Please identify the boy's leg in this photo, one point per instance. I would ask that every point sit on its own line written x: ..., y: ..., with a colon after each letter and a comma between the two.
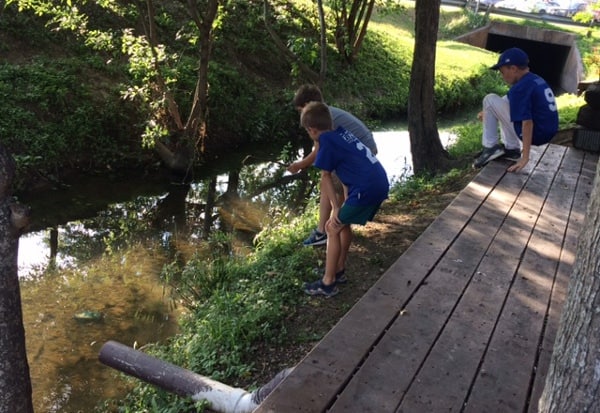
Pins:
x: 335, y: 245
x: 324, y: 212
x: 327, y: 284
x: 342, y: 238
x: 345, y: 241
x: 339, y: 238
x: 496, y: 112
x: 325, y: 207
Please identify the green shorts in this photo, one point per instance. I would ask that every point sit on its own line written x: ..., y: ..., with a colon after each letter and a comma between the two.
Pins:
x: 357, y: 214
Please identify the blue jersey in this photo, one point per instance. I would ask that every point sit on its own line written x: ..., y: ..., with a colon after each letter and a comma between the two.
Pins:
x: 355, y: 166
x: 532, y: 99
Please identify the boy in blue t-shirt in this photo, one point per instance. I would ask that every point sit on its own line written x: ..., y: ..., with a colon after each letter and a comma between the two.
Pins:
x: 527, y: 115
x: 359, y: 170
x: 312, y: 93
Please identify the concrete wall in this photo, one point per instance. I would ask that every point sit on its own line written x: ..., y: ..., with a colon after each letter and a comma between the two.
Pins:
x: 553, y: 54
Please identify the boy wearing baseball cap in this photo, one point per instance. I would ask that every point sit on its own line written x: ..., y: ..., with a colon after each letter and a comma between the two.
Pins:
x: 527, y: 115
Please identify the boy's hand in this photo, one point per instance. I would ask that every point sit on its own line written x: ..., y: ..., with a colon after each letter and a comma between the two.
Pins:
x: 334, y: 221
x: 294, y: 167
x: 518, y: 165
x: 480, y: 116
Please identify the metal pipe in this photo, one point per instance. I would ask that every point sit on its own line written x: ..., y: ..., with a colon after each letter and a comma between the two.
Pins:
x: 222, y: 398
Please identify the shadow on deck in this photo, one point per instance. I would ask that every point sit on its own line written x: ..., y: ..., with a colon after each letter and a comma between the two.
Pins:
x: 465, y: 319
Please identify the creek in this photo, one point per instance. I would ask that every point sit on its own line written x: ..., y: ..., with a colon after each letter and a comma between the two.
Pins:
x: 90, y: 269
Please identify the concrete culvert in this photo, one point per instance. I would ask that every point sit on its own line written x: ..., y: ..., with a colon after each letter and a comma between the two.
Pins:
x: 553, y: 54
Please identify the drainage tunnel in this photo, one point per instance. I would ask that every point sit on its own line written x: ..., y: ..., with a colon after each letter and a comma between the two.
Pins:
x: 552, y: 54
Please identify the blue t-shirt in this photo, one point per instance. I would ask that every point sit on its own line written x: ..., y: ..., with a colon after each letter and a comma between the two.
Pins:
x: 532, y: 99
x: 355, y: 165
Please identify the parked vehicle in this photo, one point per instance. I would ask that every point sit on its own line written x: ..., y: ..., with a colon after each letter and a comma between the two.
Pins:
x: 526, y: 6
x: 507, y: 4
x: 488, y: 3
x: 568, y: 9
x: 544, y: 7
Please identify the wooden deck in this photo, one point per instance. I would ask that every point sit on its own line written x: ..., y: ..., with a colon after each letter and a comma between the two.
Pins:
x: 465, y: 319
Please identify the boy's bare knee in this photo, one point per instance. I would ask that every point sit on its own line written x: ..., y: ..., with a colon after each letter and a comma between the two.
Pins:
x: 332, y: 227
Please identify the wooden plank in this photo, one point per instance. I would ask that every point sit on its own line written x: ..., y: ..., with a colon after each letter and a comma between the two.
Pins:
x: 575, y: 160
x: 379, y: 385
x: 436, y: 301
x: 444, y: 381
x: 504, y: 380
x: 322, y: 373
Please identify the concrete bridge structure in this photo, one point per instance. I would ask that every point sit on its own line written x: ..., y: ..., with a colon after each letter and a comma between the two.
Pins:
x: 553, y: 54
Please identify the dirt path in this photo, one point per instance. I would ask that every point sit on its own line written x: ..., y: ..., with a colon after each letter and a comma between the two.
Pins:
x: 375, y: 248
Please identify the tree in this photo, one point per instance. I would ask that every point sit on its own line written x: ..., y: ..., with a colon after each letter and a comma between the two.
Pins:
x: 573, y: 380
x: 191, y: 136
x: 149, y: 61
x: 15, y: 383
x: 289, y: 54
x: 351, y: 21
x: 426, y: 148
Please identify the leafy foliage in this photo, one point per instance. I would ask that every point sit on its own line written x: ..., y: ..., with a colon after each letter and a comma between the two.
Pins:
x: 54, y: 121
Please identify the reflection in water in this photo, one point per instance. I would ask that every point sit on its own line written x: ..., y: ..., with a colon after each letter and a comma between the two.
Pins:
x: 394, y: 152
x: 62, y: 343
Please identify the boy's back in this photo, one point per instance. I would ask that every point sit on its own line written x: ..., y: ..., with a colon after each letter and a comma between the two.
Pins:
x: 355, y: 166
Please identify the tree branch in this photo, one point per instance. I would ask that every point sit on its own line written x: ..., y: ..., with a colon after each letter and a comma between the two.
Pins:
x: 284, y: 49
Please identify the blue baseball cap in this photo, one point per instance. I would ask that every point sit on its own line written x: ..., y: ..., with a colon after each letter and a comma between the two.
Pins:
x: 514, y: 56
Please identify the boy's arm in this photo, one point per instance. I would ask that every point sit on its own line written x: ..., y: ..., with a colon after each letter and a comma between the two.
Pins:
x: 527, y: 133
x: 305, y: 162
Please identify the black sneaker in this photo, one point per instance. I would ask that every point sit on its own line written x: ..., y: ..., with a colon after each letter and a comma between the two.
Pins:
x: 340, y: 277
x: 315, y: 238
x: 318, y: 288
x: 512, y: 154
x: 488, y: 154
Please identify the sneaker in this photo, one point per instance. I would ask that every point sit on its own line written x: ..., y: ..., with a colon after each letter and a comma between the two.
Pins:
x: 318, y: 288
x: 487, y: 155
x: 340, y: 277
x: 512, y: 154
x: 316, y: 238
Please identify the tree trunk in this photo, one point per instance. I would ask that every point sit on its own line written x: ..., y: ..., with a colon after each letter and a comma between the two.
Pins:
x: 196, y: 124
x: 573, y: 381
x: 322, y: 42
x: 352, y: 19
x: 15, y: 384
x: 191, y: 136
x: 427, y: 151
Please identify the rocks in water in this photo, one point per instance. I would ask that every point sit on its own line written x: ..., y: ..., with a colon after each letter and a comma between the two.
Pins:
x: 89, y: 316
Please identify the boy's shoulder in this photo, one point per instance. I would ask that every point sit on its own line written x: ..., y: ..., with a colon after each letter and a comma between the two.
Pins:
x: 335, y: 133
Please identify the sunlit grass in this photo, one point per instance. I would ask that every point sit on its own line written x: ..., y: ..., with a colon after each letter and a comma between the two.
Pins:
x: 568, y: 106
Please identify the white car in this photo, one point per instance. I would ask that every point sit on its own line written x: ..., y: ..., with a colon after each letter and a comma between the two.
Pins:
x: 508, y: 4
x: 568, y: 8
x: 544, y: 7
